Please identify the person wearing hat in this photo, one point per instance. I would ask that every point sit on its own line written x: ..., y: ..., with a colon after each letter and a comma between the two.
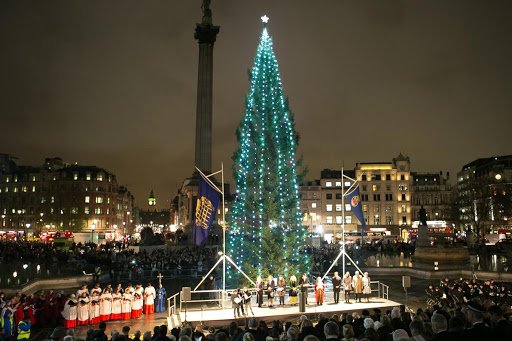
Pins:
x: 69, y: 313
x: 475, y: 316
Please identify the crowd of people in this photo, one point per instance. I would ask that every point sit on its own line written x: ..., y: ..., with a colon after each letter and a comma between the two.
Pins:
x: 470, y: 322
x: 89, y: 307
x: 454, y: 293
x: 273, y: 288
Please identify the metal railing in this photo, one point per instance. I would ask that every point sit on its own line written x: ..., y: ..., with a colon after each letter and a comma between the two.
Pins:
x: 382, y: 289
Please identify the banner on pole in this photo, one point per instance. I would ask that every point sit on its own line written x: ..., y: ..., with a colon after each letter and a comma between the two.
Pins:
x: 206, y: 208
x: 355, y: 201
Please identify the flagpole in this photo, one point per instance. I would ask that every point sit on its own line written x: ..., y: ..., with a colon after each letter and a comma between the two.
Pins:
x: 343, y: 216
x: 223, y: 237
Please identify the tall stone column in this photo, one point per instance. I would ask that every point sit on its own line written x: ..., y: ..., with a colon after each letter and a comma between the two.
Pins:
x: 206, y: 34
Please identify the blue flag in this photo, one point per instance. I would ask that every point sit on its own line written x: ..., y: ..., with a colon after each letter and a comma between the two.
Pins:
x: 207, y: 203
x: 355, y: 201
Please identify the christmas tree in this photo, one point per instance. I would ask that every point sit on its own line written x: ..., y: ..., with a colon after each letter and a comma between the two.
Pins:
x: 266, y: 234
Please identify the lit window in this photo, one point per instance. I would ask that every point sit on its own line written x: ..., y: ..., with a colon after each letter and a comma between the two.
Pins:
x: 15, y: 179
x: 108, y: 200
x: 74, y: 210
x: 43, y: 200
x: 52, y: 200
x: 54, y: 178
x: 15, y: 189
x: 6, y: 190
x: 7, y: 179
x: 339, y: 219
x: 328, y: 184
x: 86, y: 209
x: 24, y: 189
x: 375, y: 188
x: 328, y: 208
x: 348, y: 219
x: 347, y: 183
x: 108, y: 210
x: 88, y: 176
x: 99, y: 200
x: 338, y: 207
x: 365, y: 208
x: 87, y: 199
x: 99, y: 177
x: 75, y: 176
x: 329, y: 219
x: 338, y: 184
x: 348, y: 207
x: 313, y: 205
x: 51, y: 210
x: 33, y: 178
x: 33, y: 189
x: 97, y: 210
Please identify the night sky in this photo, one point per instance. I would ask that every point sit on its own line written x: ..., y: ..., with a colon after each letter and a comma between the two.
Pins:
x: 113, y: 83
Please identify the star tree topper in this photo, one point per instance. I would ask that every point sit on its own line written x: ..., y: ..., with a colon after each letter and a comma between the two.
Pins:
x: 264, y: 19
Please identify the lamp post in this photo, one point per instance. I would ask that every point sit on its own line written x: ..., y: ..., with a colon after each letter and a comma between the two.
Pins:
x: 93, y: 226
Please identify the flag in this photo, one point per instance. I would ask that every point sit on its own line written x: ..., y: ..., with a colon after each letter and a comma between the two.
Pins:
x: 206, y: 207
x: 357, y: 208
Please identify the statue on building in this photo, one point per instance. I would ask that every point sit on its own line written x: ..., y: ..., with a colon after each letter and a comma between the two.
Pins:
x: 423, y: 216
x: 207, y: 12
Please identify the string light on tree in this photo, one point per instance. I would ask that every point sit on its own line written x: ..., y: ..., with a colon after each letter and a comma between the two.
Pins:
x: 266, y: 231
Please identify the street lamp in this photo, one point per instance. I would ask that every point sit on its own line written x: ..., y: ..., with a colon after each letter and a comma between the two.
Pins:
x: 93, y: 226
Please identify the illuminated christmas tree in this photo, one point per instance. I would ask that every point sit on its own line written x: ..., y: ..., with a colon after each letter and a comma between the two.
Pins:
x: 266, y: 234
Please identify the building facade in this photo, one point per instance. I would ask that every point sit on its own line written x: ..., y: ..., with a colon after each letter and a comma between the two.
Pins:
x: 63, y: 197
x: 435, y: 194
x: 484, y: 194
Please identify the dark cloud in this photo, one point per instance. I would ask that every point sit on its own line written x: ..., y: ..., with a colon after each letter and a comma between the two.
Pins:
x: 113, y: 83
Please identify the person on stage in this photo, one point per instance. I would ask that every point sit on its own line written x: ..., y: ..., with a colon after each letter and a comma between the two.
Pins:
x: 82, y: 289
x: 367, y: 290
x: 137, y: 301
x: 319, y: 291
x: 161, y: 295
x: 70, y: 312
x: 105, y: 305
x: 83, y: 310
x: 270, y: 291
x: 149, y: 299
x: 126, y: 304
x: 94, y: 308
x: 347, y: 286
x: 117, y: 305
x: 236, y: 302
x: 96, y: 288
x: 336, y: 287
x: 304, y: 285
x: 281, y: 289
x: 259, y: 291
x: 357, y: 283
x: 293, y: 290
x: 246, y: 296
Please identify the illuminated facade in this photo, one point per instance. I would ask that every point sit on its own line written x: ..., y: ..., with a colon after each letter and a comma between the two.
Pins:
x: 386, y: 191
x: 62, y: 197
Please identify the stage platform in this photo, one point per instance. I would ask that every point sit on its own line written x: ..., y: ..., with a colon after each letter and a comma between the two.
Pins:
x: 222, y: 317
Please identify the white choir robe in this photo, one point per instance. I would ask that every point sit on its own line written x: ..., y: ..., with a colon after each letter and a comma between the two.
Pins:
x: 126, y: 306
x: 105, y: 306
x: 70, y: 314
x: 94, y: 310
x: 116, y: 307
x: 149, y: 303
x: 83, y: 311
x: 137, y: 303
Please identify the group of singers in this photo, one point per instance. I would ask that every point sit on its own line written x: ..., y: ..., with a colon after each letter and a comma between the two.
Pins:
x: 358, y: 284
x: 95, y: 305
